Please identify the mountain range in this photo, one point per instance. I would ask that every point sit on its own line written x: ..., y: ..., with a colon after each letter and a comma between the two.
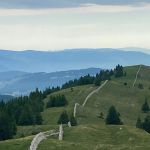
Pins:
x: 21, y: 83
x: 48, y: 61
x: 23, y: 71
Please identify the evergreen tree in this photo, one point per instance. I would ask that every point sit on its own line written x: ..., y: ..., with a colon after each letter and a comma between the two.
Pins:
x: 73, y: 120
x: 63, y: 119
x: 140, y: 86
x: 113, y: 117
x: 27, y: 116
x: 146, y: 124
x: 139, y: 123
x: 145, y: 107
x: 97, y: 81
x: 119, y: 71
x: 7, y: 126
x: 38, y: 119
x: 57, y: 101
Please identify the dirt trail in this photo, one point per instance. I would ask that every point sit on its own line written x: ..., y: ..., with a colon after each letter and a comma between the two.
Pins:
x: 136, y: 76
x: 89, y: 95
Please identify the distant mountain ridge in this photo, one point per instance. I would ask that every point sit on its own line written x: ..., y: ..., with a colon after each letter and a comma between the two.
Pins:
x: 47, y: 61
x: 20, y: 83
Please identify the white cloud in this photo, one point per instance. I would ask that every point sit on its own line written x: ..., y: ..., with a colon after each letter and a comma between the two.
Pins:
x: 90, y: 26
x: 88, y: 8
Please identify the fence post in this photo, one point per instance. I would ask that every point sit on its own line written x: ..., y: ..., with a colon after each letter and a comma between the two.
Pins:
x: 61, y: 132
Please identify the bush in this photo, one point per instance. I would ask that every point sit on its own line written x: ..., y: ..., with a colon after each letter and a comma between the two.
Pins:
x: 140, y: 86
x: 73, y: 120
x: 125, y: 84
x: 139, y: 123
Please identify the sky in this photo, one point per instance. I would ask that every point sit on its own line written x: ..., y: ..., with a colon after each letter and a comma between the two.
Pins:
x: 66, y: 24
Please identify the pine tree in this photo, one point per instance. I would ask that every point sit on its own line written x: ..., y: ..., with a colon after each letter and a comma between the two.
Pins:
x: 63, y: 119
x: 113, y: 117
x: 139, y: 123
x: 119, y: 71
x: 145, y: 107
x: 73, y: 120
x: 97, y: 81
x: 7, y: 126
x: 27, y: 116
x: 146, y: 124
x: 38, y: 119
x: 140, y: 86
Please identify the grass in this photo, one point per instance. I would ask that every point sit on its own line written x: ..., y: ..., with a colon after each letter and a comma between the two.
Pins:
x: 99, y: 137
x: 79, y: 93
x: 126, y: 99
x: 92, y: 133
x: 16, y: 144
x: 23, y: 131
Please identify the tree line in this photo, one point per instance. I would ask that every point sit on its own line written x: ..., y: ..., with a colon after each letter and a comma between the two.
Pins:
x: 101, y: 76
x: 23, y: 110
x: 57, y: 101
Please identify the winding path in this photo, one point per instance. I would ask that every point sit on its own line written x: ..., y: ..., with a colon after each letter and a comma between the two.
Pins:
x: 136, y: 75
x: 40, y: 137
x: 86, y: 99
x: 43, y: 135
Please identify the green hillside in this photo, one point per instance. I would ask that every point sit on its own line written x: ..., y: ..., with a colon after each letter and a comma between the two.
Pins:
x: 99, y: 137
x: 92, y: 133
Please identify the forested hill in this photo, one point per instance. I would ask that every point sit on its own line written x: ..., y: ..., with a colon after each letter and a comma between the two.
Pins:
x: 22, y: 83
x: 125, y: 96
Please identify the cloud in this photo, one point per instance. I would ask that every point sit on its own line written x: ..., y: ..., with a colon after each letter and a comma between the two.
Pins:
x: 89, y: 8
x: 37, y: 4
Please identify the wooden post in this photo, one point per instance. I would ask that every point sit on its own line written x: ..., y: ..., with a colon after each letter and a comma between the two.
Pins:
x: 61, y: 132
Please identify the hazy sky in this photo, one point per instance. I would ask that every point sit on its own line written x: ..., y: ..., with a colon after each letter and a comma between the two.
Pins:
x: 64, y: 24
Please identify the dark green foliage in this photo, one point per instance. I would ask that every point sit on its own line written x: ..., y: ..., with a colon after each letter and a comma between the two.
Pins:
x: 73, y: 120
x: 125, y: 83
x: 71, y: 89
x: 57, y: 101
x: 113, y: 117
x: 146, y: 124
x: 26, y: 116
x: 103, y: 75
x: 49, y: 90
x: 101, y: 115
x: 140, y: 86
x: 26, y: 109
x: 63, y: 119
x: 139, y: 123
x: 7, y: 126
x: 119, y: 71
x: 97, y: 81
x: 81, y: 81
x: 145, y: 107
x: 38, y: 119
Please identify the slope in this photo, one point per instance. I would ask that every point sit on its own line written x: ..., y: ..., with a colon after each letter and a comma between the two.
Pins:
x: 92, y: 133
